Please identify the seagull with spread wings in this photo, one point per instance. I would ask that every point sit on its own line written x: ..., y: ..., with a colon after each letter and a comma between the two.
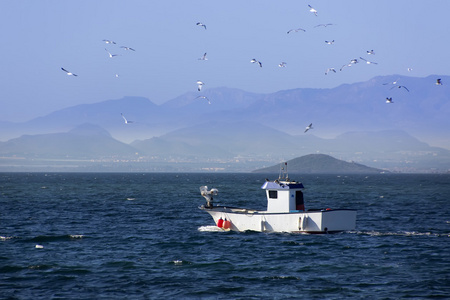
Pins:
x: 438, y: 81
x: 204, y: 97
x: 256, y: 61
x: 368, y: 62
x: 127, y: 48
x: 330, y: 70
x: 308, y: 127
x: 201, y: 24
x: 199, y: 85
x: 69, y: 73
x: 389, y: 100
x: 296, y: 30
x: 399, y: 87
x: 111, y: 55
x: 203, y: 57
x: 125, y: 119
x: 313, y: 10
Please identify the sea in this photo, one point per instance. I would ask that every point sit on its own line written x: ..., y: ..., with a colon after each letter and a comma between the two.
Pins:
x: 143, y: 236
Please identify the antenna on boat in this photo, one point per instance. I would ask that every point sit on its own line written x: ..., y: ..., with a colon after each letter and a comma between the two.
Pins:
x: 283, y: 172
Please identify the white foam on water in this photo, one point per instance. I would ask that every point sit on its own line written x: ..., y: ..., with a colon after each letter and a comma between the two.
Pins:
x: 210, y: 228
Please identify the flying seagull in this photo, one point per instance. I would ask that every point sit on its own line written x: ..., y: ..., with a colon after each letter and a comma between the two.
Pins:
x: 109, y: 42
x: 330, y: 42
x: 199, y: 85
x: 282, y: 64
x: 111, y: 55
x: 296, y: 30
x: 389, y: 100
x: 369, y: 62
x: 409, y: 69
x: 351, y: 63
x: 330, y: 70
x: 69, y: 73
x: 323, y: 25
x: 125, y: 120
x: 308, y: 127
x: 203, y: 57
x: 204, y: 97
x: 201, y: 24
x: 400, y: 86
x: 311, y: 9
x: 393, y: 82
x: 438, y: 81
x: 255, y: 61
x: 370, y: 52
x: 127, y: 48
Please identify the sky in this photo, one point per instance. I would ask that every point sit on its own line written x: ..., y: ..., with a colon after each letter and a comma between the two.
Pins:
x: 41, y: 37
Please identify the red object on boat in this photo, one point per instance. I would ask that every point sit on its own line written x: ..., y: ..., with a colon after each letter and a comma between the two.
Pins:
x: 226, y: 224
x: 220, y: 223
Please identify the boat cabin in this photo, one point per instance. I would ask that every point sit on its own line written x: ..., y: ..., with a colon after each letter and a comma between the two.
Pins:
x: 284, y: 196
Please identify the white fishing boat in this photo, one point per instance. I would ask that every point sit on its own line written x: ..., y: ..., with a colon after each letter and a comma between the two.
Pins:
x: 285, y: 212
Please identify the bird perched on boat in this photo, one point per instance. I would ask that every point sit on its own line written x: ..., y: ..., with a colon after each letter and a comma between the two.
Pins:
x: 330, y: 42
x: 308, y: 127
x: 109, y: 42
x: 389, y: 100
x: 111, y: 55
x: 370, y: 52
x: 201, y: 24
x: 282, y: 64
x: 199, y: 85
x: 125, y: 119
x: 204, y: 97
x: 255, y: 61
x: 438, y: 81
x: 330, y: 70
x: 69, y: 73
x: 296, y: 30
x: 313, y: 10
x: 400, y: 86
x: 203, y: 57
x: 369, y: 62
x: 127, y: 48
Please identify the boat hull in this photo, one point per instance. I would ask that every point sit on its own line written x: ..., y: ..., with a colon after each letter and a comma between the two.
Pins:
x: 316, y: 221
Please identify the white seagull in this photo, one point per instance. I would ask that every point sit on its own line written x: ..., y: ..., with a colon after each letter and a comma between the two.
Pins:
x: 393, y: 82
x: 370, y: 52
x: 69, y: 73
x: 255, y: 61
x: 203, y: 57
x: 323, y: 25
x: 308, y: 127
x: 199, y: 85
x: 438, y: 81
x: 109, y: 42
x: 330, y: 42
x: 127, y: 48
x: 330, y: 70
x: 389, y: 100
x: 201, y: 24
x: 351, y: 63
x: 369, y: 62
x: 296, y: 30
x: 125, y: 119
x: 204, y: 97
x: 111, y: 55
x: 311, y: 9
x: 282, y: 64
x: 409, y: 69
x: 400, y: 86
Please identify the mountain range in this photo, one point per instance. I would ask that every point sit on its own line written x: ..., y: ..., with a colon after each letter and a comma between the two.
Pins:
x: 246, y: 131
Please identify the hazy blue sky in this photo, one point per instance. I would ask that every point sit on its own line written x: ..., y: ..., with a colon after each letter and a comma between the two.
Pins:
x: 40, y: 37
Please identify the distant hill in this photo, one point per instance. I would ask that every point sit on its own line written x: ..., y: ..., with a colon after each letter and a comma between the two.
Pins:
x: 321, y: 164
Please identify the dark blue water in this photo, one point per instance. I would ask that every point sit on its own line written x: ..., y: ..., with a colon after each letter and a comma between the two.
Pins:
x: 142, y: 236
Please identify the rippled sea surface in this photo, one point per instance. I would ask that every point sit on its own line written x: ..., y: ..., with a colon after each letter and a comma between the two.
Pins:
x: 142, y: 236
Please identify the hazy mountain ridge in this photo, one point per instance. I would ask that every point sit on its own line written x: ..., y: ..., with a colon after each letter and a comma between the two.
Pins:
x: 422, y: 112
x: 243, y: 146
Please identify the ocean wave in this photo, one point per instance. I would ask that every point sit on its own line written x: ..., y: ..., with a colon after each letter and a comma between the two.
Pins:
x: 400, y: 233
x: 210, y: 228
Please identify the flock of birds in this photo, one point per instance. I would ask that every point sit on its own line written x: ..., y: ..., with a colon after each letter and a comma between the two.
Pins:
x: 283, y: 64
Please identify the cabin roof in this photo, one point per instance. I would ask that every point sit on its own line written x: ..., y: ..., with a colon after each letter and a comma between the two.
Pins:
x: 281, y: 185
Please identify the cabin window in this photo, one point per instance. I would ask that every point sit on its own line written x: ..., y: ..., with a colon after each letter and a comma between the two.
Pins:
x: 273, y: 194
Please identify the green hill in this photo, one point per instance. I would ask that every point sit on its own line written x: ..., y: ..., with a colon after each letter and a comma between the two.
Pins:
x: 321, y: 164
